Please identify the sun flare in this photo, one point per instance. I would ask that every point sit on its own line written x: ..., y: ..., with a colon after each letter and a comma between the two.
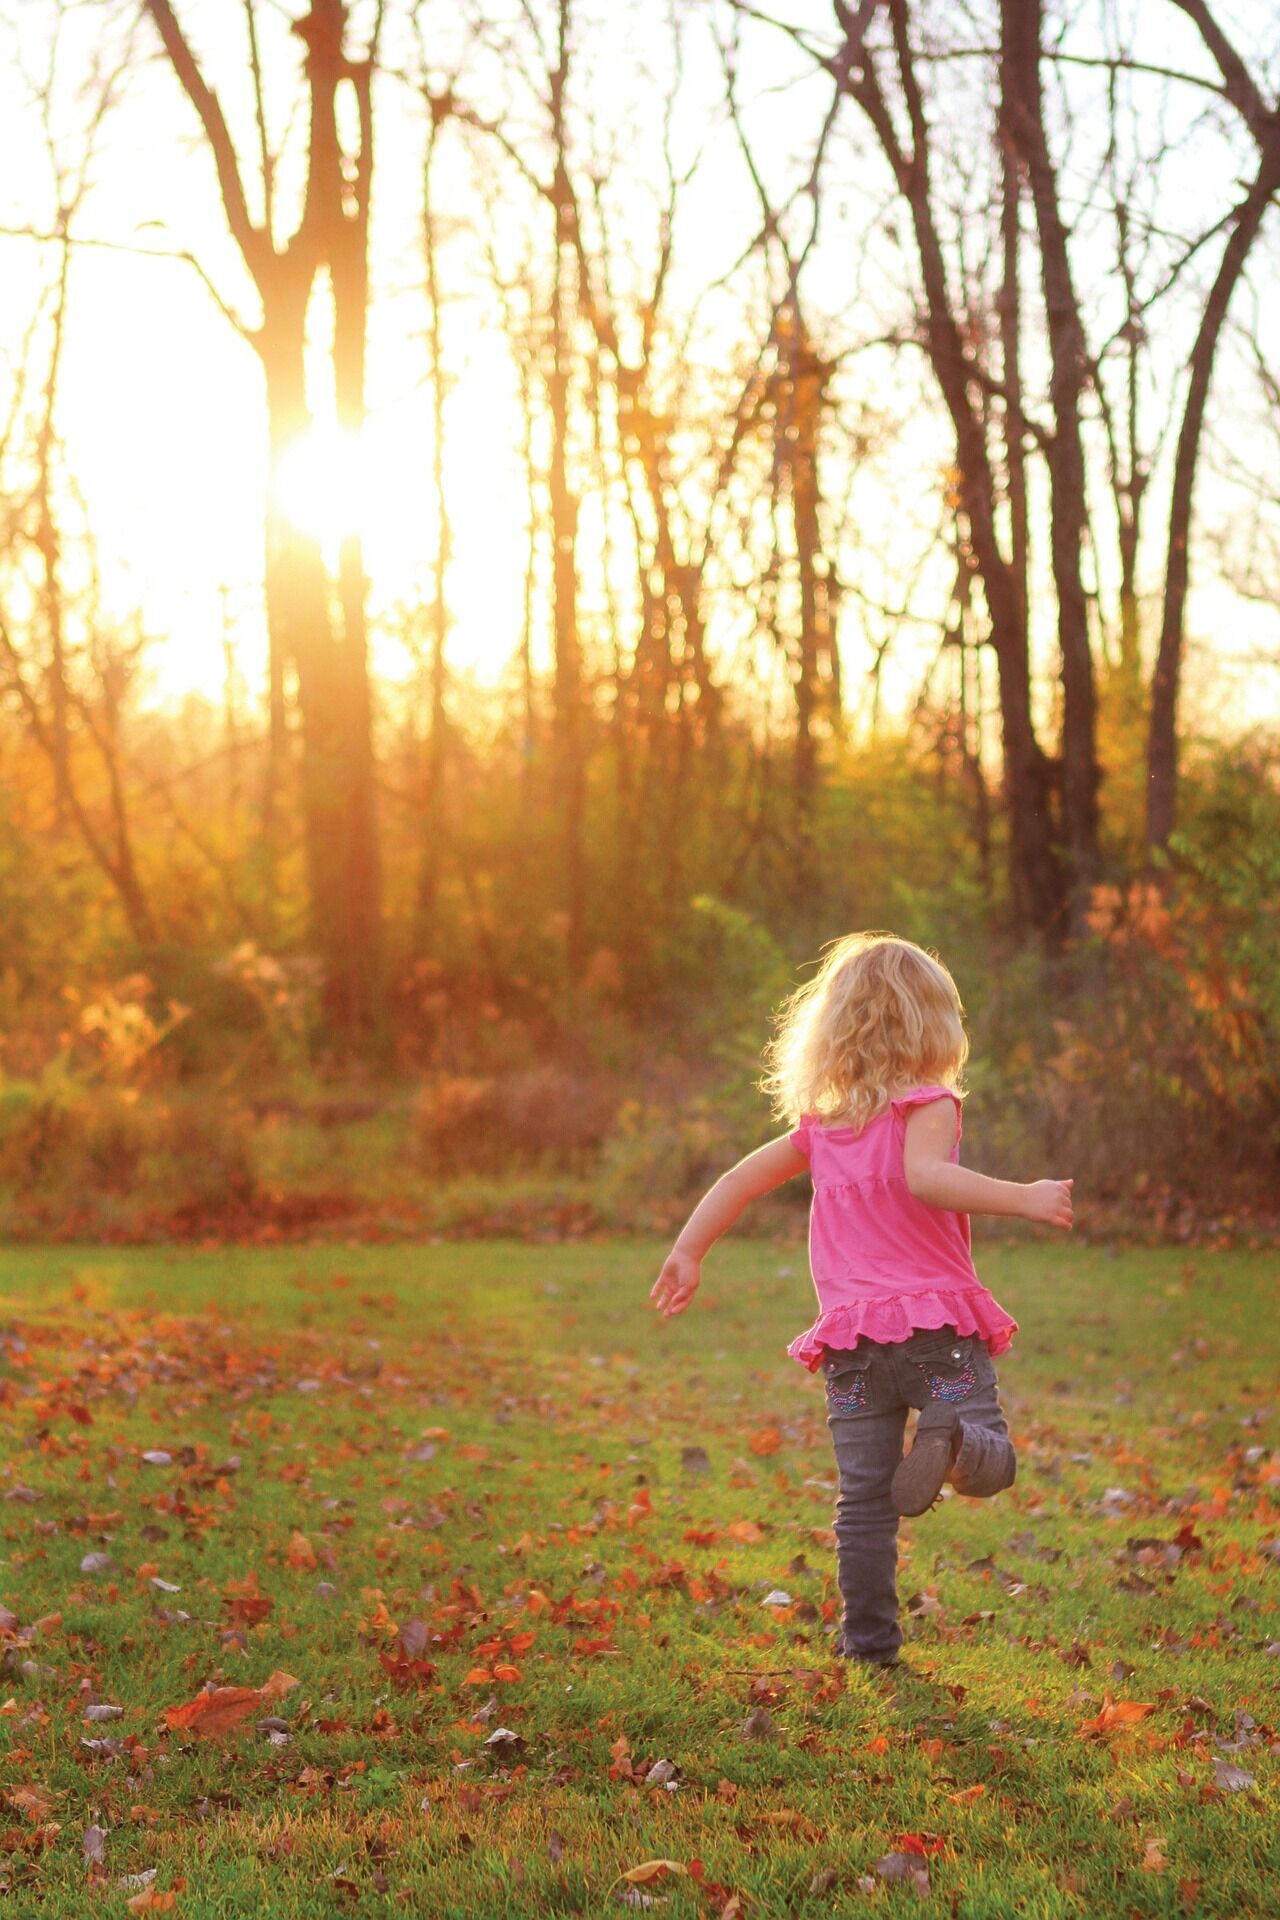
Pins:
x: 321, y: 482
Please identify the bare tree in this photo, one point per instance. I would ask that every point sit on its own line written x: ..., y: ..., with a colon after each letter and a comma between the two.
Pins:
x: 72, y: 695
x: 1036, y: 873
x: 1263, y: 122
x: 1023, y: 125
x: 330, y: 656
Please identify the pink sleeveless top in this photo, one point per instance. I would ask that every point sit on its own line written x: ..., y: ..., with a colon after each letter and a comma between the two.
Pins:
x: 883, y: 1262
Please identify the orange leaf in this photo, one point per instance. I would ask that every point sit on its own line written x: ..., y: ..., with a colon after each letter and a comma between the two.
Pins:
x: 218, y: 1712
x: 505, y: 1671
x: 919, y: 1843
x: 478, y: 1677
x: 879, y: 1745
x: 1116, y: 1713
x: 966, y: 1794
x: 766, y: 1440
x: 244, y: 1603
x: 300, y: 1552
x: 747, y: 1532
x: 149, y: 1901
x: 36, y: 1802
x: 640, y: 1508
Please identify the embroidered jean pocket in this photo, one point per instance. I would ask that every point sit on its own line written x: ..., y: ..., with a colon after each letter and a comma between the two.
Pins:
x: 950, y: 1373
x: 847, y: 1385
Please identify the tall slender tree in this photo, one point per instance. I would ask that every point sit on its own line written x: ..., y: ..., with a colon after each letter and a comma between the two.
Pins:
x: 328, y: 651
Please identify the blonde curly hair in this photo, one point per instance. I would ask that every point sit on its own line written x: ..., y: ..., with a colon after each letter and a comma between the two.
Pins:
x: 879, y: 1017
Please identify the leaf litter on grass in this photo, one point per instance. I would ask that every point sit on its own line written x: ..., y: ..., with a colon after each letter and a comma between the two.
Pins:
x: 554, y: 1626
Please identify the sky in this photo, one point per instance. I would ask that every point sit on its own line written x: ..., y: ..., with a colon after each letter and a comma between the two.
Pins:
x: 161, y: 403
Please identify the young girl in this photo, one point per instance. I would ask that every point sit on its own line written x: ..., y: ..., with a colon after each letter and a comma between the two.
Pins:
x: 866, y: 1065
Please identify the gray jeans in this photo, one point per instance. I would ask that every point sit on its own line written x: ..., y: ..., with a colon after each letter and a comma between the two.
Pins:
x: 869, y: 1390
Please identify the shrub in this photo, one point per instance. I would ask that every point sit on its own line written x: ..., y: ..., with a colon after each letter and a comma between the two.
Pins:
x: 38, y: 1123
x: 68, y: 1142
x: 547, y: 1116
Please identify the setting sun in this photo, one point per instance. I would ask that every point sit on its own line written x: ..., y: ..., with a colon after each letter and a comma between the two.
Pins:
x: 322, y: 483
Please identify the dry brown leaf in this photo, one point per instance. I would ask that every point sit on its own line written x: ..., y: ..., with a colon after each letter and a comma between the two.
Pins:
x: 36, y: 1802
x: 653, y: 1870
x: 223, y: 1709
x: 1115, y: 1714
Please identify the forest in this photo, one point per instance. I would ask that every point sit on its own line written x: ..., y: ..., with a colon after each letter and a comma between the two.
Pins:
x: 523, y: 520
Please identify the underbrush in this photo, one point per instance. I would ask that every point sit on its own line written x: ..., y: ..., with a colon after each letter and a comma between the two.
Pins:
x: 1143, y: 1062
x: 137, y: 1165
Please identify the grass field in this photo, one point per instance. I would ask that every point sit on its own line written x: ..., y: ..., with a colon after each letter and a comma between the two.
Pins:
x: 448, y: 1491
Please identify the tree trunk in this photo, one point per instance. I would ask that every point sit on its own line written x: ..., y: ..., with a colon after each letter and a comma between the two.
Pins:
x: 428, y: 887
x: 1035, y: 875
x: 1162, y: 741
x: 1023, y: 113
x: 50, y: 549
x: 338, y: 793
x: 568, y: 688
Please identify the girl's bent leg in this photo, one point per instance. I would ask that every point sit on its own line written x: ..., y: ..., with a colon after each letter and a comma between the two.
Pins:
x: 986, y: 1462
x: 941, y: 1368
x: 866, y: 1420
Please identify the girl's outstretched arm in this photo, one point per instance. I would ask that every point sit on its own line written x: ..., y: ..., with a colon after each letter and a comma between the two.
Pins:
x: 934, y: 1177
x: 760, y: 1172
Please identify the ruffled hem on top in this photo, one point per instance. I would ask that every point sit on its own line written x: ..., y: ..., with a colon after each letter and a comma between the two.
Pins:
x: 971, y: 1311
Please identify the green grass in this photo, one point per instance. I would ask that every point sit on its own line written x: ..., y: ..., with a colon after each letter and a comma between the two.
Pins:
x: 290, y: 1388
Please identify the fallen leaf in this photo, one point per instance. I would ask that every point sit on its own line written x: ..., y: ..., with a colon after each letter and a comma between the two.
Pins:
x: 787, y: 1818
x: 36, y: 1802
x: 748, y: 1533
x: 219, y: 1711
x: 244, y: 1603
x: 922, y: 1844
x: 1232, y: 1779
x: 760, y: 1725
x: 1115, y: 1714
x: 653, y: 1870
x: 1153, y: 1860
x: 904, y: 1866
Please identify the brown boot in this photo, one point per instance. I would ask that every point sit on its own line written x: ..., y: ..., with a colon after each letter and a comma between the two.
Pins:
x: 918, y: 1479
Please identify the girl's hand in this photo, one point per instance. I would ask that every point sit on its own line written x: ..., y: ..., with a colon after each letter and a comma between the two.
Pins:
x: 676, y: 1285
x: 1049, y: 1202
